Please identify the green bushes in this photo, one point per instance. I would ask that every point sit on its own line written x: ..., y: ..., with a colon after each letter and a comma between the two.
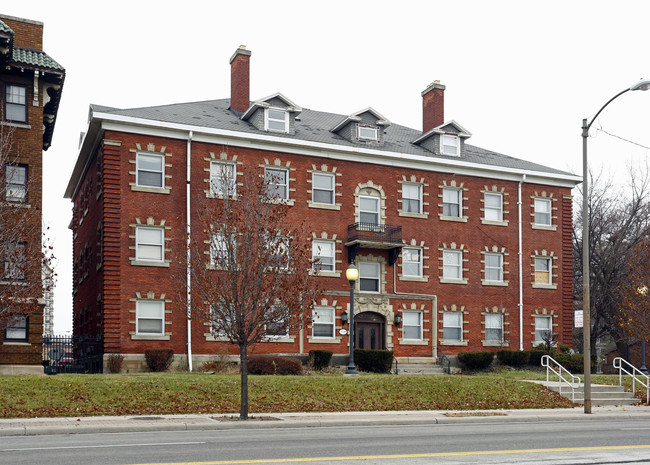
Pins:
x: 159, y: 359
x: 273, y: 365
x: 572, y: 362
x: 476, y: 360
x: 535, y: 357
x: 513, y: 358
x: 320, y: 359
x: 374, y: 361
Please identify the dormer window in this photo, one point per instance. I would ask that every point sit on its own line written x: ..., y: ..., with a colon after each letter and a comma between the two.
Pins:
x: 276, y: 120
x: 450, y: 145
x: 370, y: 133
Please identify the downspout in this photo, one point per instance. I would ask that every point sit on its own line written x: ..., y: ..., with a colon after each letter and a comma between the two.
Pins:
x: 188, y: 235
x: 521, y: 271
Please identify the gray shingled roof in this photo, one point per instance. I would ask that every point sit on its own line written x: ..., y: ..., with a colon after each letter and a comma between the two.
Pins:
x: 313, y: 126
x: 6, y: 29
x: 38, y: 58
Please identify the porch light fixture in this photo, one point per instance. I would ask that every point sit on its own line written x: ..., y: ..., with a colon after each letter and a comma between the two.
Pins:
x: 398, y: 319
x: 352, y: 274
x: 643, y: 84
x: 344, y: 317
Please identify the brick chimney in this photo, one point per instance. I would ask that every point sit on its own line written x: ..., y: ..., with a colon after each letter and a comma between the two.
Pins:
x: 433, y: 106
x: 240, y: 79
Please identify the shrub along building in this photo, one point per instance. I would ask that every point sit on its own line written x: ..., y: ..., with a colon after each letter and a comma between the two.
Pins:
x: 31, y: 83
x: 458, y: 248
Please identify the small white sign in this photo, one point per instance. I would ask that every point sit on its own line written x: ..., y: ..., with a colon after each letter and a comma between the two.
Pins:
x: 578, y: 318
x: 343, y: 332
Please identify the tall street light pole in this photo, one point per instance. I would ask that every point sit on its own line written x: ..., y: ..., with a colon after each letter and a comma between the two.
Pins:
x: 352, y: 273
x: 643, y: 84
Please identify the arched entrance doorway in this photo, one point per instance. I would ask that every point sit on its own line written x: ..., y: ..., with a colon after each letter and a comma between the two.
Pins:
x: 370, y: 331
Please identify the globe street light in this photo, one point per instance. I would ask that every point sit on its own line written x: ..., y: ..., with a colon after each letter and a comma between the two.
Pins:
x: 352, y: 273
x: 643, y: 84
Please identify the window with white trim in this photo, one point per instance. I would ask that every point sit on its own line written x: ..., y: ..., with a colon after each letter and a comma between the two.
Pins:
x: 369, y: 277
x: 219, y: 323
x: 276, y: 120
x: 149, y: 244
x: 223, y: 178
x: 16, y: 330
x: 150, y: 317
x: 323, y: 253
x: 367, y: 133
x: 543, y: 327
x: 452, y: 264
x: 15, y: 103
x: 15, y: 261
x: 411, y: 198
x: 494, y: 267
x: 412, y: 262
x: 277, y: 183
x: 219, y: 250
x: 16, y: 183
x: 278, y: 327
x: 450, y: 145
x: 543, y: 266
x: 493, y: 206
x: 369, y: 209
x: 494, y: 327
x: 412, y: 325
x: 452, y: 326
x: 543, y: 212
x: 150, y: 170
x: 452, y: 202
x: 323, y: 322
x: 323, y: 188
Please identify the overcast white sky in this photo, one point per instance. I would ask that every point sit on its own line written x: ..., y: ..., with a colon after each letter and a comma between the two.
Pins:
x: 520, y: 75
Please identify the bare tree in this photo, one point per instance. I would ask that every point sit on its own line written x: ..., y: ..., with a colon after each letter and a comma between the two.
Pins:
x: 23, y: 254
x: 250, y: 269
x: 619, y: 221
x: 635, y: 293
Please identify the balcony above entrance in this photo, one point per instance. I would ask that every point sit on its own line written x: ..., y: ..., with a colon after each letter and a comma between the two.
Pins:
x: 374, y: 236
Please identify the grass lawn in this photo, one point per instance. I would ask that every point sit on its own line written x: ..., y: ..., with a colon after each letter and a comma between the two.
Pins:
x: 170, y: 393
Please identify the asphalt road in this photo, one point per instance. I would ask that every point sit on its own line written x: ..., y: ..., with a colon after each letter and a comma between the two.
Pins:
x: 566, y: 442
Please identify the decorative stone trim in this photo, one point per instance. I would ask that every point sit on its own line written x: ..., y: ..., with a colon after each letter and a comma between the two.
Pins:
x: 413, y: 307
x: 370, y: 189
x: 504, y: 202
x: 455, y: 247
x: 495, y: 250
x: 150, y: 223
x: 506, y: 325
x: 151, y: 148
x: 377, y: 303
x: 425, y: 257
x: 554, y: 208
x: 553, y: 271
x: 223, y: 157
x: 338, y: 310
x: 542, y: 312
x: 150, y: 295
x: 441, y: 329
x: 277, y: 163
x: 337, y: 192
x: 454, y: 185
x: 338, y: 252
x: 412, y: 179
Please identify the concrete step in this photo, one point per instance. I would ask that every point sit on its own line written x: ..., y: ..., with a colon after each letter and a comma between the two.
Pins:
x: 418, y: 369
x: 601, y: 395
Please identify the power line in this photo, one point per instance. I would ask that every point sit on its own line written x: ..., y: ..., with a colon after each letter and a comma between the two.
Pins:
x: 622, y: 138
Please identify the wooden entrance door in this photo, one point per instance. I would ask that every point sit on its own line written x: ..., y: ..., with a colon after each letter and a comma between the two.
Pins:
x: 368, y: 335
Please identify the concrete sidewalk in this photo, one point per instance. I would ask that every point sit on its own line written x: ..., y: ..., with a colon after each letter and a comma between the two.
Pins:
x: 122, y: 424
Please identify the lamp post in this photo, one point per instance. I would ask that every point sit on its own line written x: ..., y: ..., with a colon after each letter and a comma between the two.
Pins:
x: 643, y: 84
x: 352, y: 273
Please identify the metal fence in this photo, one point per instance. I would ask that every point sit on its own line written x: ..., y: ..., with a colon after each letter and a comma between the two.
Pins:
x: 68, y: 354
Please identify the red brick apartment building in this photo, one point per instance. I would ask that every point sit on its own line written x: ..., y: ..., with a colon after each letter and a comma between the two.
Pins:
x: 459, y: 248
x: 31, y: 83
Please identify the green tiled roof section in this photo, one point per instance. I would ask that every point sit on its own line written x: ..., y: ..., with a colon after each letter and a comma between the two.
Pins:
x: 35, y: 58
x: 5, y: 28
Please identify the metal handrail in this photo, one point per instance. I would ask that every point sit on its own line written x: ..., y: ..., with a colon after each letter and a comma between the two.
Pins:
x: 561, y: 379
x: 621, y: 369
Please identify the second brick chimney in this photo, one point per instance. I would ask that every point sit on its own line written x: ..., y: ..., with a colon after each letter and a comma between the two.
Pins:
x: 433, y: 106
x: 240, y: 79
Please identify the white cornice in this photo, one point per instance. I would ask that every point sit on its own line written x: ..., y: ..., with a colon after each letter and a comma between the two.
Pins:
x: 270, y: 142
